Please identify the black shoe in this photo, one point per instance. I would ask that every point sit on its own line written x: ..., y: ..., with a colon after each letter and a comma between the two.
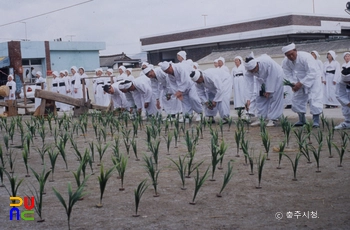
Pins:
x: 288, y: 107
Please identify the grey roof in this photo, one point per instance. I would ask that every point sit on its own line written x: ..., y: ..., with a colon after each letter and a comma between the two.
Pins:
x: 322, y: 47
x: 111, y: 60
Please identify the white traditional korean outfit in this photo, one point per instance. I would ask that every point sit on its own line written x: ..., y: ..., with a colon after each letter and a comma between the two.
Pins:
x: 304, y: 70
x: 63, y: 87
x: 332, y: 73
x: 118, y: 98
x: 181, y: 82
x: 54, y: 88
x: 239, y: 85
x: 271, y: 74
x: 161, y: 87
x: 38, y: 82
x: 76, y: 86
x: 217, y: 86
x: 12, y: 86
x: 143, y: 94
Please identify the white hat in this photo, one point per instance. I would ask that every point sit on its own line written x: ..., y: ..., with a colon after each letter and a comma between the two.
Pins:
x: 129, y: 69
x: 216, y: 60
x: 316, y: 53
x: 82, y: 68
x: 75, y: 68
x: 66, y: 71
x: 39, y: 73
x: 144, y: 63
x: 240, y: 58
x: 332, y: 53
x: 252, y: 63
x: 147, y: 70
x: 195, y: 75
x: 98, y: 69
x: 182, y: 54
x: 122, y: 68
x: 10, y: 75
x: 345, y: 54
x: 195, y: 64
x: 125, y: 85
x: 287, y: 48
x: 110, y: 71
x: 164, y: 65
x: 62, y: 72
x: 221, y: 59
x: 55, y: 73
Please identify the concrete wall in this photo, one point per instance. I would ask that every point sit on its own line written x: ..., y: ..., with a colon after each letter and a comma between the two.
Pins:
x: 64, y: 59
x: 33, y: 49
x: 4, y: 51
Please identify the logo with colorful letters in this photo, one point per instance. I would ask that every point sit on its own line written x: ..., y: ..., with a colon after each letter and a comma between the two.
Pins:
x: 27, y: 214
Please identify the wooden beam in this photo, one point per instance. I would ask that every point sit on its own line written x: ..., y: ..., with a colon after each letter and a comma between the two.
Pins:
x: 59, y: 97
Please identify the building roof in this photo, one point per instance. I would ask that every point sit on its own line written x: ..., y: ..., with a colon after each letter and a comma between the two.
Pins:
x: 110, y: 60
x: 252, y: 29
x: 339, y: 46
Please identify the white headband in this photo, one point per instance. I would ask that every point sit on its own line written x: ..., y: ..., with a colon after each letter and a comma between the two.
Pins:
x: 164, y: 65
x: 196, y: 76
x: 251, y: 64
x: 147, y: 70
x: 287, y: 48
x: 124, y: 86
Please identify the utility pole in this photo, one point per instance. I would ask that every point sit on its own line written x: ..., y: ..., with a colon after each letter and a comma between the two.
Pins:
x: 205, y: 19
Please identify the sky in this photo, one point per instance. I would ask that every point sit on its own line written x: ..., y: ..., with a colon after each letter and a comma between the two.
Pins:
x: 121, y: 23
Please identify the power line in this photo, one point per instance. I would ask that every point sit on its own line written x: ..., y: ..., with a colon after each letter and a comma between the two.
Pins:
x: 39, y: 15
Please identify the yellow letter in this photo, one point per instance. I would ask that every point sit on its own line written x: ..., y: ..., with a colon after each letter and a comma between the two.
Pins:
x: 13, y: 198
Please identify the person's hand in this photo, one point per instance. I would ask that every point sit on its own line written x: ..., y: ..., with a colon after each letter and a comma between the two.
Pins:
x: 324, y: 82
x: 266, y: 94
x: 213, y: 104
x: 75, y: 90
x: 179, y: 95
x: 297, y: 86
x: 334, y: 83
x: 146, y: 105
x: 12, y: 95
x: 158, y: 104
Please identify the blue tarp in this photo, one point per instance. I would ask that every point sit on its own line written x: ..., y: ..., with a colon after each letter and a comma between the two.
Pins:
x: 4, y: 62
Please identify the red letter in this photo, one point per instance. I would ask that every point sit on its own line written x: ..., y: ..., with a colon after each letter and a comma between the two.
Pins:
x: 31, y: 203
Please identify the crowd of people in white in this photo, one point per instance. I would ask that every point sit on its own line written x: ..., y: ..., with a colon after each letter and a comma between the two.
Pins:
x: 259, y: 85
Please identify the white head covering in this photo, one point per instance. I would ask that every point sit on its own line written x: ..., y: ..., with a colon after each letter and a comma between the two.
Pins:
x: 122, y: 68
x: 196, y: 75
x: 316, y: 53
x: 240, y: 58
x: 75, y: 68
x: 252, y: 63
x: 55, y: 73
x: 39, y: 73
x: 123, y: 85
x: 287, y: 48
x: 110, y: 71
x: 164, y: 65
x: 196, y: 65
x: 82, y: 68
x: 183, y: 54
x: 66, y: 71
x: 216, y: 60
x: 62, y: 72
x: 332, y: 53
x: 130, y: 70
x: 98, y: 69
x: 10, y: 75
x: 345, y: 54
x: 221, y: 59
x: 146, y: 71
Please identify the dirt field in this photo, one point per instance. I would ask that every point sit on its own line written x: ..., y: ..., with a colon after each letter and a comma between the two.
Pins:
x: 324, y: 197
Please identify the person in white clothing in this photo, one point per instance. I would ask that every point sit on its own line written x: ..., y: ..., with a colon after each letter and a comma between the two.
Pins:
x: 163, y: 91
x: 181, y: 56
x: 214, y: 87
x: 54, y: 87
x: 269, y: 77
x: 221, y: 64
x: 100, y: 95
x: 141, y: 91
x: 118, y: 98
x: 300, y: 69
x: 76, y: 87
x: 128, y: 72
x: 12, y: 86
x: 343, y: 92
x: 64, y: 89
x: 239, y: 84
x: 40, y: 83
x: 185, y: 88
x: 216, y: 64
x: 85, y: 82
x: 122, y: 75
x: 332, y: 74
